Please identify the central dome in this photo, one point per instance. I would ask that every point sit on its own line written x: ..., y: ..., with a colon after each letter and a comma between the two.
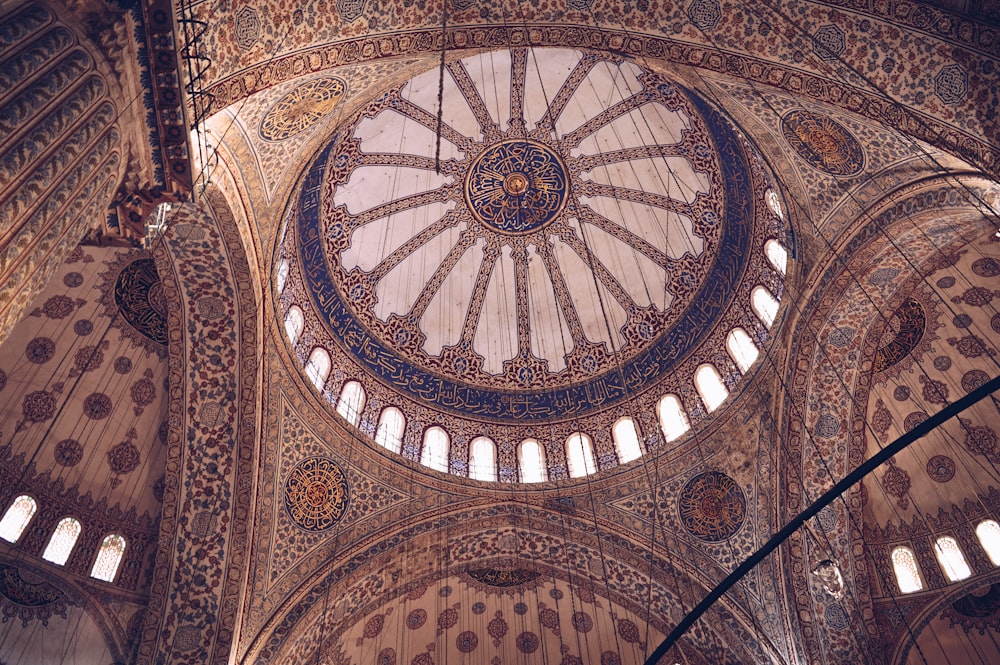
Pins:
x: 539, y: 253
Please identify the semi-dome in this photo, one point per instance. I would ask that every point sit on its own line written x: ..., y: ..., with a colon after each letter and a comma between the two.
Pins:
x: 576, y: 238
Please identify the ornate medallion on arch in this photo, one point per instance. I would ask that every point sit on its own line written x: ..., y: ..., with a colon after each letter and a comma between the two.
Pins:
x: 133, y: 298
x: 302, y: 108
x: 823, y: 143
x: 712, y: 506
x: 316, y: 493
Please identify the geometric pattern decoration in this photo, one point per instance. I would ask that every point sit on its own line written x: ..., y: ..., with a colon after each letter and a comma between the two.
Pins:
x: 822, y: 142
x: 316, y: 493
x: 542, y: 261
x: 906, y: 325
x: 712, y: 506
x: 302, y: 107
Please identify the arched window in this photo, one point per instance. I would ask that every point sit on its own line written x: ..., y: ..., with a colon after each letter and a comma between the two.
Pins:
x: 952, y: 561
x: 390, y: 429
x: 17, y: 517
x: 293, y: 324
x: 351, y: 402
x: 110, y: 555
x: 318, y: 367
x: 580, y: 456
x: 989, y: 537
x: 774, y: 203
x: 483, y: 459
x: 904, y: 565
x: 710, y: 386
x: 62, y: 541
x: 777, y: 255
x: 435, y: 451
x: 282, y: 276
x: 764, y: 305
x: 742, y: 349
x: 532, y: 460
x: 626, y: 440
x: 673, y: 420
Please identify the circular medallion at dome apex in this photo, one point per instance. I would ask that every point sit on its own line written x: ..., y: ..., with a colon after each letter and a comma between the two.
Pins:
x: 586, y: 303
x: 516, y: 186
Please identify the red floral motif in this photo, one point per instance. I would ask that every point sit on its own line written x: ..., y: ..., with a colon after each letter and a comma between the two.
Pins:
x: 38, y: 406
x: 977, y: 296
x: 467, y: 641
x: 527, y: 642
x: 971, y: 346
x: 497, y: 628
x: 88, y: 358
x: 387, y: 656
x: 416, y: 619
x: 447, y: 619
x: 980, y: 440
x: 941, y: 468
x: 548, y: 618
x: 881, y: 420
x: 143, y: 392
x: 935, y: 392
x: 896, y: 483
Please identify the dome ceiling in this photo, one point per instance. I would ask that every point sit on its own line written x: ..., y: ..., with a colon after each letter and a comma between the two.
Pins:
x: 556, y: 252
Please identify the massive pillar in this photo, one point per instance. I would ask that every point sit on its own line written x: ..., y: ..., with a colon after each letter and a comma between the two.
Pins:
x: 62, y: 146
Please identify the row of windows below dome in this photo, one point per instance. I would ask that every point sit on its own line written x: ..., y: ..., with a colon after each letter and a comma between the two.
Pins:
x: 63, y: 539
x: 950, y: 558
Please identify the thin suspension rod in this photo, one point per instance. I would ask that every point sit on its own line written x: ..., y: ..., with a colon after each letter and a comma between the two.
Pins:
x: 846, y: 483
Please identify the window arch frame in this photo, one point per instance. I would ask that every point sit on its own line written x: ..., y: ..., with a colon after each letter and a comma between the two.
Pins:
x: 739, y: 355
x: 56, y: 557
x: 25, y: 520
x: 318, y: 377
x: 711, y: 402
x: 478, y: 469
x: 916, y: 583
x: 542, y: 469
x: 953, y: 564
x: 347, y: 411
x: 101, y: 553
x: 382, y: 435
x: 587, y: 458
x: 623, y: 457
x: 676, y: 430
x: 293, y: 331
x: 281, y: 274
x: 780, y: 261
x: 990, y: 545
x: 766, y: 312
x: 439, y: 463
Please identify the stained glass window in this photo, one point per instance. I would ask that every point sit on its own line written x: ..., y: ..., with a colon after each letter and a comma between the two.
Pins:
x: 952, y: 561
x: 17, y: 517
x: 777, y: 255
x: 626, y: 440
x: 318, y: 367
x: 62, y: 541
x: 673, y: 420
x: 532, y: 460
x: 435, y: 450
x: 293, y: 324
x: 390, y: 429
x: 710, y: 386
x: 110, y: 555
x: 742, y: 349
x: 351, y: 402
x: 904, y: 565
x: 580, y: 456
x: 764, y: 305
x: 282, y: 278
x: 482, y: 459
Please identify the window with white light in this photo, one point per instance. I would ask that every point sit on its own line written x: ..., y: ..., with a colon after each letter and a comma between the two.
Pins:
x: 293, y: 324
x: 764, y: 305
x: 742, y: 349
x: 904, y: 566
x: 774, y: 203
x: 952, y: 561
x: 710, y: 386
x: 777, y: 255
x: 351, y: 402
x: 673, y: 419
x: 17, y: 517
x: 531, y: 459
x: 434, y: 452
x: 389, y: 433
x: 580, y: 456
x: 626, y: 440
x: 108, y: 558
x: 482, y: 459
x: 282, y: 276
x: 318, y: 367
x: 988, y: 532
x: 62, y: 541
